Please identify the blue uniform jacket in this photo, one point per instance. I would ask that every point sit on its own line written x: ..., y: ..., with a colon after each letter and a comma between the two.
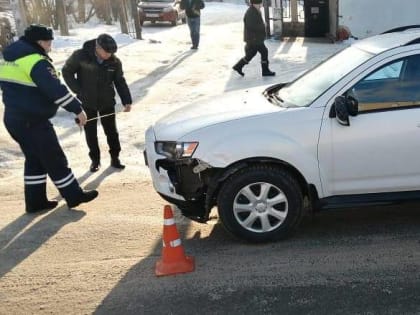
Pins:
x: 41, y: 101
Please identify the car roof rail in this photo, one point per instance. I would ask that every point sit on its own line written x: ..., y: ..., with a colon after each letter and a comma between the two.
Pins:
x: 401, y: 29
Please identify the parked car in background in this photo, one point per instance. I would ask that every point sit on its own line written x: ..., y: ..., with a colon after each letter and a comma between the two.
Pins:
x: 161, y: 11
x: 344, y: 134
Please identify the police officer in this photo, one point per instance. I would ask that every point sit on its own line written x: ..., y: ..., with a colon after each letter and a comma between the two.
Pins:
x: 32, y: 94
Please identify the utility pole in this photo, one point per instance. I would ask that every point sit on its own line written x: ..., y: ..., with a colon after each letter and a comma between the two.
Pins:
x: 19, y: 15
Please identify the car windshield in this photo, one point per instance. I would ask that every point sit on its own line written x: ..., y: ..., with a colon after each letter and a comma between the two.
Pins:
x: 307, y: 88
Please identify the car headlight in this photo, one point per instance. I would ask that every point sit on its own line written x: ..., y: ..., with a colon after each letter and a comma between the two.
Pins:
x: 167, y: 10
x: 176, y: 150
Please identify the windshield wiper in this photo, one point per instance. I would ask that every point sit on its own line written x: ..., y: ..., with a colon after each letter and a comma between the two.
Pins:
x: 275, y: 99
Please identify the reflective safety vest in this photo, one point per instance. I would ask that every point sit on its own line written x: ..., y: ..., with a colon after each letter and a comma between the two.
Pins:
x: 19, y: 71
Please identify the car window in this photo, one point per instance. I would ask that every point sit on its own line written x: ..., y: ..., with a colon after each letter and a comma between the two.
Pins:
x: 394, y: 86
x: 391, y: 71
x: 307, y: 88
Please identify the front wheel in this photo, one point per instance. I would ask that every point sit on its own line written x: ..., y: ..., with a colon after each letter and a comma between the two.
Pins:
x: 260, y: 203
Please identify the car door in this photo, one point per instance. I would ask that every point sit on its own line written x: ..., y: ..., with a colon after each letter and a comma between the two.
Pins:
x: 380, y: 150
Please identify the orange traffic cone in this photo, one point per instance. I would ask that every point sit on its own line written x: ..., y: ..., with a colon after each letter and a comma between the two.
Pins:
x: 173, y: 257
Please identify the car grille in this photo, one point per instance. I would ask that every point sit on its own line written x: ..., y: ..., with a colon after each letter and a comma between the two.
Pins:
x: 152, y: 10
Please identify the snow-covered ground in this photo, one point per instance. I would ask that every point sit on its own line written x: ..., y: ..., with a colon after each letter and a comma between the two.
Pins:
x: 163, y: 75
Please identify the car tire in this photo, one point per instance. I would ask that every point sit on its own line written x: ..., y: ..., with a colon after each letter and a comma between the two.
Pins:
x: 184, y: 20
x: 260, y: 203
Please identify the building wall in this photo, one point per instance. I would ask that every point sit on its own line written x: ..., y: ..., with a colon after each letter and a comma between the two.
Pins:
x: 370, y: 17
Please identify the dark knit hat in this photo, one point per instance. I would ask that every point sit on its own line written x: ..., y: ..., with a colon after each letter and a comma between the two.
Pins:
x: 256, y: 1
x: 36, y: 32
x: 107, y: 43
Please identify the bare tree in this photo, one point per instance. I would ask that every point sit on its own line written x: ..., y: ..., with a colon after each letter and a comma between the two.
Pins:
x: 136, y: 18
x: 19, y: 14
x: 62, y: 17
x: 123, y: 18
x: 40, y: 11
x: 81, y: 8
x: 108, y: 12
x: 103, y: 10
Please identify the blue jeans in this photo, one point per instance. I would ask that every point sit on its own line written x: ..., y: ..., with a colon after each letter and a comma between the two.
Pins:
x: 194, y: 25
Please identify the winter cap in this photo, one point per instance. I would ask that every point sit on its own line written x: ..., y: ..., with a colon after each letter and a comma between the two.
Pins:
x: 107, y: 43
x: 36, y: 32
x: 256, y: 1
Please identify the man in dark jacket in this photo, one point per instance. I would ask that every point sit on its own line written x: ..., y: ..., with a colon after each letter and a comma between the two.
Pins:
x: 92, y: 73
x: 254, y: 36
x: 32, y: 94
x: 192, y: 10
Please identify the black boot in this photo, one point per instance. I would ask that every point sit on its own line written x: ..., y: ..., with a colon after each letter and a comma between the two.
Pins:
x: 266, y: 72
x: 239, y: 65
x: 86, y: 196
x: 116, y: 163
x: 48, y: 205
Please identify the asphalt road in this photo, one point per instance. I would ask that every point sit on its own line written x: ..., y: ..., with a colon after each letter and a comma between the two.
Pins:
x: 358, y: 261
x: 100, y: 259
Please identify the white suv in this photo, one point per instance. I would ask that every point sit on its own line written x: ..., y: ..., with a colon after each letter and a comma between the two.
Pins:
x: 346, y: 133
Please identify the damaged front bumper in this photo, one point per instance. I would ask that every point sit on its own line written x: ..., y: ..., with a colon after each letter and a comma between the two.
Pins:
x: 188, y: 183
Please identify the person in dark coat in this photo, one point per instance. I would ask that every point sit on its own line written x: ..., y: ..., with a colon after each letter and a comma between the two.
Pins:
x: 92, y: 73
x: 254, y: 36
x: 193, y: 11
x: 32, y: 93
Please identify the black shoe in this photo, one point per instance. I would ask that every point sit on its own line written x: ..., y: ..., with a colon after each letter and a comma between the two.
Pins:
x: 85, y: 197
x: 49, y: 205
x: 194, y: 47
x: 239, y: 65
x: 268, y: 73
x: 238, y: 69
x: 117, y: 164
x: 94, y: 167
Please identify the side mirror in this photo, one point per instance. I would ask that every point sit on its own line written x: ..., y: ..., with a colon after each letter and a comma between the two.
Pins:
x: 341, y: 111
x: 352, y: 105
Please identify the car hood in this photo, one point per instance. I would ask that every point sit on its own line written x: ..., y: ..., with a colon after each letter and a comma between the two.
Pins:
x: 227, y: 107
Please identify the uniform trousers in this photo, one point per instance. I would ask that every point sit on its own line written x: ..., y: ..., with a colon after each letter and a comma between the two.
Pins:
x: 43, y: 155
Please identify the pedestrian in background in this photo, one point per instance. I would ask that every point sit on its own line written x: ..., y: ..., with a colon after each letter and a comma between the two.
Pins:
x: 92, y: 72
x: 193, y: 11
x: 254, y: 37
x: 32, y: 94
